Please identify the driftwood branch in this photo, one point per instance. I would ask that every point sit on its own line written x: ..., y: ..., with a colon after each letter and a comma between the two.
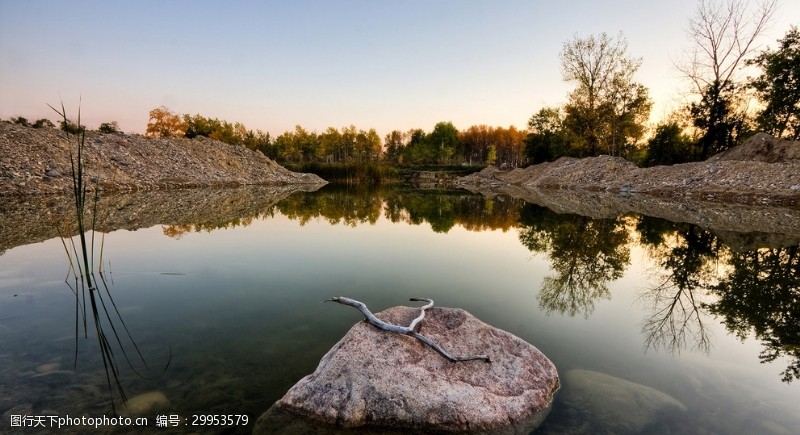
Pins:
x: 407, y: 330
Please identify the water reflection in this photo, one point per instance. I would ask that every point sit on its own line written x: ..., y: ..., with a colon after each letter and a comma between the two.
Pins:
x: 702, y: 275
x: 585, y: 255
x: 755, y: 291
x: 761, y: 296
x: 687, y: 259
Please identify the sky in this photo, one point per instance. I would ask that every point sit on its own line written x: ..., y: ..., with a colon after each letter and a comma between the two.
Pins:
x: 271, y: 65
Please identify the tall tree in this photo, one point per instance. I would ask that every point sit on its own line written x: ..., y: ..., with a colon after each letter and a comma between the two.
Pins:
x: 475, y: 142
x: 778, y: 87
x: 443, y: 141
x: 722, y: 34
x: 394, y: 143
x: 607, y: 110
x: 546, y: 139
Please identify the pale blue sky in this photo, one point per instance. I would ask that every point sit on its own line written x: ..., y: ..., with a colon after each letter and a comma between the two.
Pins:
x: 386, y: 65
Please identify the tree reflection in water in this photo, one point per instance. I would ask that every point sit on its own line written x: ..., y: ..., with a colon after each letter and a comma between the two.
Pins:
x: 756, y: 291
x: 753, y: 291
x: 584, y: 253
x: 687, y: 258
x: 761, y: 295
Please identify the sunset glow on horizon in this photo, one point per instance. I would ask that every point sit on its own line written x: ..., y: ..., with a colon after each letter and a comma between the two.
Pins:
x: 273, y: 65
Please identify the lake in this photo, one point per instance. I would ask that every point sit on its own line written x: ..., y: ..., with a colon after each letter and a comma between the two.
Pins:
x: 210, y: 304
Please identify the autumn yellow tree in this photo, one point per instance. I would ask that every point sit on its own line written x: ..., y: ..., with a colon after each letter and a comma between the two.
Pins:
x: 164, y: 123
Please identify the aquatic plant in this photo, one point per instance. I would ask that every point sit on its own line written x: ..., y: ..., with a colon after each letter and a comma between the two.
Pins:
x: 103, y: 309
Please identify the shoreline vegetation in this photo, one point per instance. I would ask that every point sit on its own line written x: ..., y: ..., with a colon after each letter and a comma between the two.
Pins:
x: 762, y: 170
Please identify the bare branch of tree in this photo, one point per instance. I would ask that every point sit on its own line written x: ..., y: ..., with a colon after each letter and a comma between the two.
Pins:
x: 722, y: 34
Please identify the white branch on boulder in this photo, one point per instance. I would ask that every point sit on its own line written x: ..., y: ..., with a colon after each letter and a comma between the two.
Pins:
x: 407, y: 330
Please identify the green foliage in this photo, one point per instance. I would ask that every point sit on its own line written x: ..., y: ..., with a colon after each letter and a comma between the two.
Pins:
x: 607, y: 111
x: 21, y: 121
x: 393, y: 144
x: 350, y: 173
x: 43, y: 123
x: 71, y: 127
x: 443, y: 140
x: 717, y: 118
x: 779, y: 87
x: 224, y: 131
x: 668, y: 146
x: 351, y: 145
x: 491, y: 156
x: 547, y: 137
x: 109, y: 128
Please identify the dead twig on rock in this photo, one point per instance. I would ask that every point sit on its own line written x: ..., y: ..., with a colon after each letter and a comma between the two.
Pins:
x: 407, y: 330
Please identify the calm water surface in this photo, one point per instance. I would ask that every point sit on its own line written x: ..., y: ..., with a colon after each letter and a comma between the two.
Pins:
x: 227, y: 315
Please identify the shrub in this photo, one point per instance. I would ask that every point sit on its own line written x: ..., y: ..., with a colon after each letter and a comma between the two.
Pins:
x: 109, y: 128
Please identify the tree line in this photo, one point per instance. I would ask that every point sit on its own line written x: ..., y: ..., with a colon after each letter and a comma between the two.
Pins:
x: 444, y: 144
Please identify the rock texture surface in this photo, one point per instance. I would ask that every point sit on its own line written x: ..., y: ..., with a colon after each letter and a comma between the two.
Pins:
x: 36, y: 160
x: 379, y: 380
x: 762, y: 170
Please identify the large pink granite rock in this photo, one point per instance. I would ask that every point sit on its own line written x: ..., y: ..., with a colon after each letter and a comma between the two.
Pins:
x: 387, y: 381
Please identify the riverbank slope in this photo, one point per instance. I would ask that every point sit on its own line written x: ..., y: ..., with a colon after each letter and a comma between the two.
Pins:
x: 37, y: 161
x: 762, y: 170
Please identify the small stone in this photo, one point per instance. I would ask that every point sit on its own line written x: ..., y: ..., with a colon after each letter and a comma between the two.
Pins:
x: 47, y: 368
x: 146, y: 402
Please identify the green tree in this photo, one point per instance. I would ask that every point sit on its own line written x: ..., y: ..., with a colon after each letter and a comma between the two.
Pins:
x: 259, y: 141
x: 607, y: 110
x: 668, y: 146
x: 348, y: 143
x: 546, y: 140
x: 287, y: 149
x: 418, y: 150
x: 330, y: 144
x: 368, y: 145
x: 307, y: 143
x: 443, y: 141
x: 778, y: 87
x: 717, y: 118
x: 491, y: 156
x: 198, y: 125
x: 394, y: 143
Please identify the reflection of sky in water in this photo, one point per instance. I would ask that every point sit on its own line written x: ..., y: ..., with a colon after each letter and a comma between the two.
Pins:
x: 249, y: 296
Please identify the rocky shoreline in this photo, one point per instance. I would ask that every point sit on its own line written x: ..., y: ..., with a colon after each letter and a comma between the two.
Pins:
x: 762, y: 170
x: 37, y: 161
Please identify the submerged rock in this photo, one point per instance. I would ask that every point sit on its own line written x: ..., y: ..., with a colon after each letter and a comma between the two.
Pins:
x: 616, y: 405
x: 387, y: 382
x: 146, y: 402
